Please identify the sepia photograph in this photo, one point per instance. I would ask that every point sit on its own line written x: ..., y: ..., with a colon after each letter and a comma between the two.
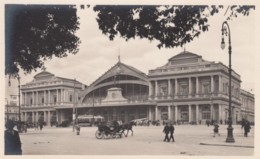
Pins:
x: 128, y: 79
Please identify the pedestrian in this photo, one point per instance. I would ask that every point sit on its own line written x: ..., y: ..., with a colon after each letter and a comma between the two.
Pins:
x: 12, y: 140
x: 215, y: 130
x: 207, y: 122
x: 41, y: 126
x: 171, y: 129
x: 166, y: 131
x: 247, y: 128
x: 25, y: 127
x: 36, y: 126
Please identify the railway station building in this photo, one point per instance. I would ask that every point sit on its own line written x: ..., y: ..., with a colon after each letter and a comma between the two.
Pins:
x: 187, y: 89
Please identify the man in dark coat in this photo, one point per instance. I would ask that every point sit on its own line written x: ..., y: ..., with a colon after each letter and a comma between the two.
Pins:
x: 247, y: 128
x: 12, y: 140
x: 216, y: 129
x: 171, y: 129
x: 166, y: 131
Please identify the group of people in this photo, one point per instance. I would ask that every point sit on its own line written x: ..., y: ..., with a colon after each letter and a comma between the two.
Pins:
x: 13, y: 145
x: 168, y: 128
x: 37, y: 125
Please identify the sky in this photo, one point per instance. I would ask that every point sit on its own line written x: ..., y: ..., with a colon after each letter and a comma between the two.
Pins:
x: 97, y: 53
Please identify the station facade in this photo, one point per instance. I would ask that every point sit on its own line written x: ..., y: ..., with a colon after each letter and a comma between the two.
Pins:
x: 187, y: 89
x: 48, y: 98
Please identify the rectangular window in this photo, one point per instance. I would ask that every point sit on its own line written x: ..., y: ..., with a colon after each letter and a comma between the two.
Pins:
x: 42, y: 100
x: 55, y: 99
x: 205, y: 115
x: 70, y: 98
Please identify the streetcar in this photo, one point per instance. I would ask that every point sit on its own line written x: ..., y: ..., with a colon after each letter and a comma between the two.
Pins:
x: 89, y: 120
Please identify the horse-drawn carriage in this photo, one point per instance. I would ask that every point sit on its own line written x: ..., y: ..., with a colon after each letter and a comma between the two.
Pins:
x: 113, y: 129
x: 109, y: 130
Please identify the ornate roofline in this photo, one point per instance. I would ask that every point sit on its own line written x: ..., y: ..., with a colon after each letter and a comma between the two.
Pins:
x: 183, y: 52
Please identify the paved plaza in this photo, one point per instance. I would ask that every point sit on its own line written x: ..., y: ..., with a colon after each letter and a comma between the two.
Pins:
x: 189, y: 140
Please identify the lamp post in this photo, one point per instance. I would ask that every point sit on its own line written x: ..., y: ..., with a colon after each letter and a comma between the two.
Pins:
x: 211, y: 108
x: 226, y: 31
x: 74, y: 103
x: 93, y: 109
x: 19, y: 95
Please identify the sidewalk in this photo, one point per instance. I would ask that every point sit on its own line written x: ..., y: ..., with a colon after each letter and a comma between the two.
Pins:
x: 189, y: 140
x: 240, y: 140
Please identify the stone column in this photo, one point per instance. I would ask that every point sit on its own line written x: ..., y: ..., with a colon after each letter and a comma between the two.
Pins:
x: 176, y: 113
x: 212, y: 84
x: 156, y: 89
x: 189, y: 113
x: 176, y: 88
x: 197, y: 114
x: 44, y: 96
x: 37, y: 116
x: 49, y: 118
x: 190, y: 87
x: 150, y: 89
x: 33, y: 99
x: 149, y: 113
x: 33, y: 118
x: 44, y: 116
x: 25, y: 99
x: 65, y: 96
x: 220, y: 85
x: 61, y: 95
x: 25, y: 116
x: 169, y: 113
x: 37, y: 97
x: 169, y: 89
x: 220, y: 112
x: 156, y: 112
x: 57, y: 101
x: 57, y: 116
x: 211, y: 111
x: 49, y: 96
x: 197, y: 86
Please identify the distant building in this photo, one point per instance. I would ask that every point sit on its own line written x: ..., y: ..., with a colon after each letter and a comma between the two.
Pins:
x: 187, y: 89
x: 11, y: 108
x: 49, y: 99
x: 247, y: 105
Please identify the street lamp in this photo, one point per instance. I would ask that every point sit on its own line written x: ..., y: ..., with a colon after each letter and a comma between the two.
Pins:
x: 211, y: 108
x: 19, y: 95
x: 226, y: 32
x: 93, y: 108
x: 74, y: 103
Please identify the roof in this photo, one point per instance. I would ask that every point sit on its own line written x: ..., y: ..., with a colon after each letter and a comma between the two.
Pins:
x: 183, y: 55
x: 124, y: 67
x: 43, y: 73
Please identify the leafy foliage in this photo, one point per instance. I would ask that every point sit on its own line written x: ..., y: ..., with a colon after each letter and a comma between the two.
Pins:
x: 172, y: 26
x: 35, y: 33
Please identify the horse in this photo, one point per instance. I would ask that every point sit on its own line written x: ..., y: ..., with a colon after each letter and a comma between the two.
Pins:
x: 128, y: 126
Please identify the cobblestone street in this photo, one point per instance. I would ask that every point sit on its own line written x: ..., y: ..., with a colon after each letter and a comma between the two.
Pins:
x: 145, y: 141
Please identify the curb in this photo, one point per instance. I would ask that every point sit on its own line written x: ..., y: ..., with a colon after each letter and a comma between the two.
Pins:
x: 227, y: 145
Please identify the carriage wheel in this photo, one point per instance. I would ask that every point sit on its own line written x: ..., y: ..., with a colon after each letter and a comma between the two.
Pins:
x: 99, y: 135
x: 113, y: 135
